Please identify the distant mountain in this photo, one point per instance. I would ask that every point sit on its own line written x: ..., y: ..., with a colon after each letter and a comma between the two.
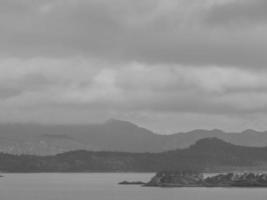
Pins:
x: 248, y: 137
x: 208, y: 155
x: 113, y: 135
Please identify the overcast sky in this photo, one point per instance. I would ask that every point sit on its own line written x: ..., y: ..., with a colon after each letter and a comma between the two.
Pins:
x: 168, y: 65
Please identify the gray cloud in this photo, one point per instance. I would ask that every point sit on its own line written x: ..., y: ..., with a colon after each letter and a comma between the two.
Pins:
x: 239, y: 13
x: 135, y: 87
x: 151, y: 31
x: 6, y: 93
x: 74, y: 61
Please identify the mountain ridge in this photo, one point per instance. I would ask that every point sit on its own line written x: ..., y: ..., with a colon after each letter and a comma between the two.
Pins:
x: 112, y: 135
x: 201, y: 156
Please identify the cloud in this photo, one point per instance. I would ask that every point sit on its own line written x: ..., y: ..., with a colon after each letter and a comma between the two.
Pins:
x: 73, y: 61
x: 236, y: 13
x: 92, y: 84
x: 151, y: 31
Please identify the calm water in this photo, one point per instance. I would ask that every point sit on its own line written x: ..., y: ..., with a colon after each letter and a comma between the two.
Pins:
x: 98, y: 186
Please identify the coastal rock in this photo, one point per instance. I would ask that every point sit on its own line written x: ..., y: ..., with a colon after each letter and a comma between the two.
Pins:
x: 238, y: 180
x: 195, y: 179
x: 132, y: 183
x: 176, y: 179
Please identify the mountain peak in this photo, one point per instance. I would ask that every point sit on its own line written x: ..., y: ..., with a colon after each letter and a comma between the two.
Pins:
x: 210, y: 143
x: 119, y: 123
x: 111, y: 120
x: 217, y: 131
x: 114, y: 121
x: 249, y: 131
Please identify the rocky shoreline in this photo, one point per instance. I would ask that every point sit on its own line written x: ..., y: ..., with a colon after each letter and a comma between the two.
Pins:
x: 132, y: 183
x: 195, y: 179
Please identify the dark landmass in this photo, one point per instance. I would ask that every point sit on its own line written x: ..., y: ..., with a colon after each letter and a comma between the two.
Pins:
x: 206, y: 155
x: 132, y: 183
x: 195, y: 179
x: 113, y: 135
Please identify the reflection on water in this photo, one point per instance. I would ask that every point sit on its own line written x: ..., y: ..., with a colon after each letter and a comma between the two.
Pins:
x: 103, y: 186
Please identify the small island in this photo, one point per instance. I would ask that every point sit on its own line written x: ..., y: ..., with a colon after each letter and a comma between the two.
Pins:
x: 195, y: 179
x: 198, y: 179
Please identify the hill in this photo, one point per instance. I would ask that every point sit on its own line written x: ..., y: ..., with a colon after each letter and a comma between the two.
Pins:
x: 209, y: 155
x: 113, y: 135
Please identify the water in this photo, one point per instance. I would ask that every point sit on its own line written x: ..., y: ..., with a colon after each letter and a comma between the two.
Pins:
x: 103, y: 186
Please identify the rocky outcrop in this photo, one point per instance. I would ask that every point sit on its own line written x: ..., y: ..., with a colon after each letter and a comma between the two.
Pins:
x: 132, y: 183
x: 194, y: 179
x: 176, y: 179
x: 238, y: 180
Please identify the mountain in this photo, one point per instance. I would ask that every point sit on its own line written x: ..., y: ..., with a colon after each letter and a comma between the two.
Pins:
x: 113, y: 135
x: 209, y: 155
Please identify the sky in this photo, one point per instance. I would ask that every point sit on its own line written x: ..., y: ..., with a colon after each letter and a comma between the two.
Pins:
x: 170, y: 66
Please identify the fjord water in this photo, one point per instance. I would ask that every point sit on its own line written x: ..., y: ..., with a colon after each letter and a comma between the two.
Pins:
x: 103, y: 186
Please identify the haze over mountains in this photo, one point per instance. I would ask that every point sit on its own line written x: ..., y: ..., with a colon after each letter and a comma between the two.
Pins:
x: 209, y: 154
x: 113, y: 135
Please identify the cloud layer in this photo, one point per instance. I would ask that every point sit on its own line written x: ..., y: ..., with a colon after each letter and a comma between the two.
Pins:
x: 159, y: 63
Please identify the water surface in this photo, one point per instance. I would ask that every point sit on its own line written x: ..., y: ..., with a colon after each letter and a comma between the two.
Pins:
x: 103, y: 186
